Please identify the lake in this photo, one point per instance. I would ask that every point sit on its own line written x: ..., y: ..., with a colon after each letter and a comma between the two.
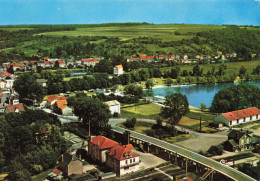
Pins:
x: 197, y: 94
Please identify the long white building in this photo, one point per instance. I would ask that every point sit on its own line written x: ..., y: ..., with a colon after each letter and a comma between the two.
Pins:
x: 238, y: 117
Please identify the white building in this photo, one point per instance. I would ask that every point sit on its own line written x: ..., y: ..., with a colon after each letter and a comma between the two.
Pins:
x: 2, y: 84
x: 122, y: 160
x: 9, y: 83
x: 118, y: 70
x: 114, y: 106
x: 238, y: 117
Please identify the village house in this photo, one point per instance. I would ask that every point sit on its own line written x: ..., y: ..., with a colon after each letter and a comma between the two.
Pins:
x: 2, y: 84
x: 118, y: 70
x: 43, y: 82
x: 185, y: 57
x: 64, y: 109
x: 98, y: 146
x: 70, y: 164
x: 52, y: 99
x: 9, y: 82
x: 147, y: 58
x: 238, y: 140
x: 41, y: 64
x: 90, y: 61
x: 122, y: 160
x: 162, y: 57
x: 114, y: 106
x: 132, y: 59
x: 33, y: 64
x: 238, y: 117
x: 61, y: 63
x: 14, y: 108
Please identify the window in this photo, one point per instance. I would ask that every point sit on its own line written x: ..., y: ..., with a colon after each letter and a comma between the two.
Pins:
x: 134, y: 159
x: 230, y: 123
x: 250, y: 117
x: 257, y: 116
x: 130, y: 160
x: 125, y: 161
x: 237, y: 121
x: 244, y: 119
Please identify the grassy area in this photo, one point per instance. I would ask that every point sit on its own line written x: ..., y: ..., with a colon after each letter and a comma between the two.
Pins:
x: 42, y: 175
x: 145, y: 111
x: 140, y: 126
x: 69, y: 78
x: 166, y: 32
x: 178, y: 138
x: 251, y: 125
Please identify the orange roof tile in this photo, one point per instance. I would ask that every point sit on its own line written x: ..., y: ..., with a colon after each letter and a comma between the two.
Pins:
x: 61, y: 104
x: 241, y: 113
x: 119, y: 66
x: 144, y: 57
x: 12, y: 108
x: 52, y: 98
x: 103, y: 142
x: 122, y: 152
x: 60, y: 61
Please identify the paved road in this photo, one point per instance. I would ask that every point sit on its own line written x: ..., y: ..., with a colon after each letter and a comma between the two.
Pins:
x: 225, y: 170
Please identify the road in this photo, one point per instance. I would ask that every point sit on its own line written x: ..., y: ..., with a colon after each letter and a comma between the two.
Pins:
x: 225, y: 170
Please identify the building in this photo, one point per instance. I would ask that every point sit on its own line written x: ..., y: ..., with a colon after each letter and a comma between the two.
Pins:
x: 2, y: 84
x: 52, y: 99
x: 238, y: 140
x: 114, y: 106
x: 42, y: 82
x: 9, y: 82
x: 122, y: 160
x: 238, y: 117
x: 147, y: 58
x: 14, y: 108
x: 98, y: 146
x: 90, y: 61
x: 70, y: 164
x: 61, y: 63
x: 64, y: 109
x: 118, y: 70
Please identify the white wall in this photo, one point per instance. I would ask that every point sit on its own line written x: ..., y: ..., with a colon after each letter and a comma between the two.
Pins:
x: 133, y: 168
x: 115, y: 108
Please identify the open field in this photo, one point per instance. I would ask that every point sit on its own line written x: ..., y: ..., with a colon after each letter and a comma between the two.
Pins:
x: 166, y: 32
x: 140, y: 126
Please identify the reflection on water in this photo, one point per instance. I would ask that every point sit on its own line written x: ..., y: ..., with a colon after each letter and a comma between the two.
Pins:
x: 196, y: 94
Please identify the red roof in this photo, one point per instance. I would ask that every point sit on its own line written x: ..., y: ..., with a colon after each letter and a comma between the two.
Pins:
x: 90, y: 60
x: 122, y: 152
x: 60, y: 61
x: 7, y: 73
x: 57, y: 171
x: 241, y: 113
x: 144, y: 57
x: 103, y: 142
x: 52, y: 98
x: 161, y: 55
x: 33, y: 61
x: 46, y: 62
x: 13, y: 108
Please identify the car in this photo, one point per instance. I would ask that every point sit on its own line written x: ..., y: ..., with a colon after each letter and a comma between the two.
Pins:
x: 68, y: 92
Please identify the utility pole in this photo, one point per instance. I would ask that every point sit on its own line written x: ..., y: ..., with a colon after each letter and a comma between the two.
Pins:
x: 200, y: 123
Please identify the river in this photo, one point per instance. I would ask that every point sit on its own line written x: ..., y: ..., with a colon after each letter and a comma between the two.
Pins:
x: 197, y: 94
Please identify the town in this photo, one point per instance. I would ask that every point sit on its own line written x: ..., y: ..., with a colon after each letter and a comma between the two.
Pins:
x: 173, y: 94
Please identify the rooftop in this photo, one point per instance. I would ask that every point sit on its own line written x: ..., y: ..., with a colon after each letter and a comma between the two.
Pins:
x: 241, y: 113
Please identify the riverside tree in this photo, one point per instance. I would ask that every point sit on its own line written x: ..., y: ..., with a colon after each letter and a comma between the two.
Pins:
x: 175, y: 107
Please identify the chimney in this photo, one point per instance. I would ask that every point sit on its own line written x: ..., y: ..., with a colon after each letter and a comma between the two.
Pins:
x: 62, y: 158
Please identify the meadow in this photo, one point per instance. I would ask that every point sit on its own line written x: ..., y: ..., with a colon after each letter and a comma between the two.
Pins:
x: 166, y: 32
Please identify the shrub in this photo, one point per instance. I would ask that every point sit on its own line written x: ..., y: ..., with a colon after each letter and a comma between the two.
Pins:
x: 130, y: 123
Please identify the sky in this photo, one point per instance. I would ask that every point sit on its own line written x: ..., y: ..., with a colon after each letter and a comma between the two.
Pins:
x: 237, y: 12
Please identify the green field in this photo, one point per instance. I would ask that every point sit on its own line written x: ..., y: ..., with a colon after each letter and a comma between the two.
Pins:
x: 146, y: 111
x: 166, y: 32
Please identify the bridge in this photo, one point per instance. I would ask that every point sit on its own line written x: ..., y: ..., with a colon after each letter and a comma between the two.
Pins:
x: 181, y: 155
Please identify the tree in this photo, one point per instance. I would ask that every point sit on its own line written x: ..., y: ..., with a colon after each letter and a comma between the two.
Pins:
x: 250, y: 170
x: 168, y: 82
x: 134, y: 90
x: 130, y: 123
x: 149, y: 84
x: 27, y: 87
x: 242, y: 71
x: 97, y: 115
x: 235, y: 98
x: 175, y: 106
x: 203, y: 106
x: 104, y: 66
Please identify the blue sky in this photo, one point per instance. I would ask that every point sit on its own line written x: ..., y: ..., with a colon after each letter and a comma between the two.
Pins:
x: 239, y: 12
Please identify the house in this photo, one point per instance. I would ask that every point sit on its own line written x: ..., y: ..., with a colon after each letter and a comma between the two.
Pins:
x: 132, y: 59
x: 185, y: 57
x: 162, y: 57
x: 114, y: 106
x: 70, y: 164
x: 18, y: 66
x: 14, y: 108
x: 52, y: 99
x: 122, y: 160
x: 118, y: 70
x: 42, y: 82
x: 2, y: 84
x: 61, y: 63
x: 238, y: 140
x: 9, y: 82
x: 41, y: 64
x: 98, y: 146
x: 147, y: 58
x: 238, y: 117
x: 65, y: 110
x: 90, y: 61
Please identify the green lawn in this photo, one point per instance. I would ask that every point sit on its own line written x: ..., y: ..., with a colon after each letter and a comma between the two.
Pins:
x: 42, y: 175
x: 68, y: 78
x: 146, y: 111
x: 140, y: 126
